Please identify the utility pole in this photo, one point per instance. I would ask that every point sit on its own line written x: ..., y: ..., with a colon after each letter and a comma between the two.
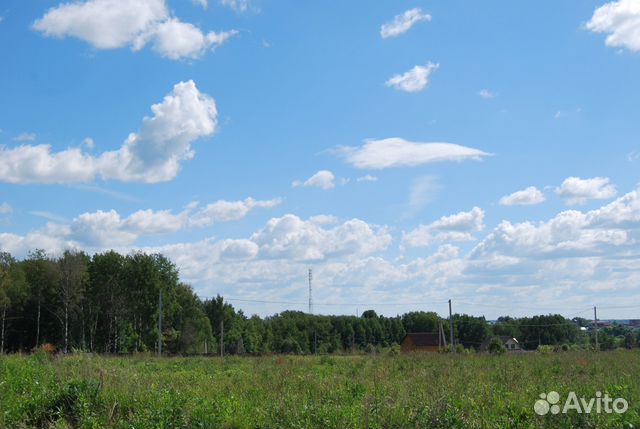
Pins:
x: 221, y: 337
x: 160, y: 324
x: 315, y: 343
x: 310, y: 296
x: 595, y: 322
x: 453, y: 349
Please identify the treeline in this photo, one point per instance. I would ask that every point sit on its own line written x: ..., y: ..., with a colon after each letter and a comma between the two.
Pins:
x: 109, y: 303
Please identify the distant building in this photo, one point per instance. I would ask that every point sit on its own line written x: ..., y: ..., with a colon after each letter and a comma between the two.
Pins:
x: 421, y: 342
x: 510, y: 343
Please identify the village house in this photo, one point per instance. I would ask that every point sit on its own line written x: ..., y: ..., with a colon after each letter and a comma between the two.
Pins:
x: 421, y: 342
x: 510, y: 343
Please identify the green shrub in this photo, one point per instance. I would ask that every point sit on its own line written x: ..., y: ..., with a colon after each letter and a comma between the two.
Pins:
x: 496, y: 347
x: 544, y: 349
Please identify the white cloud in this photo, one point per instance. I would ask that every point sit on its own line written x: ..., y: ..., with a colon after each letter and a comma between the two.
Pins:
x: 367, y: 178
x: 111, y: 24
x: 456, y: 227
x: 403, y: 23
x: 152, y: 155
x: 610, y: 230
x: 6, y: 209
x: 291, y: 237
x: 105, y: 24
x: 223, y: 211
x: 175, y: 40
x: 236, y: 5
x: 423, y: 191
x: 528, y: 196
x: 486, y: 94
x: 620, y: 20
x: 562, y: 264
x: 414, y: 80
x: 323, y: 179
x: 575, y: 190
x: 633, y: 156
x: 397, y: 152
x: 88, y: 143
x: 25, y: 137
x: 108, y: 229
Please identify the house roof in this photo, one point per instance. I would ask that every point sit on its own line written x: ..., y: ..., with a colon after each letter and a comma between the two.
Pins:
x: 422, y: 339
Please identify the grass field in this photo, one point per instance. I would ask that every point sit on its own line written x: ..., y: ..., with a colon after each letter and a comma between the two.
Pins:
x: 421, y: 391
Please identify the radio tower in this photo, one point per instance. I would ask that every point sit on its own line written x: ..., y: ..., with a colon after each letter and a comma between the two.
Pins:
x: 310, y: 296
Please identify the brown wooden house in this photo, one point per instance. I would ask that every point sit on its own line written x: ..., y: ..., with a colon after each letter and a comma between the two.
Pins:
x: 421, y: 342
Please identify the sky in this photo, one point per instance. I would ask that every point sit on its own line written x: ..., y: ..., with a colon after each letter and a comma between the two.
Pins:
x: 408, y: 152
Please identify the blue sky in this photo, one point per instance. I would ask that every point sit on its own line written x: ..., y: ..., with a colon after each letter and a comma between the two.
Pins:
x: 379, y: 144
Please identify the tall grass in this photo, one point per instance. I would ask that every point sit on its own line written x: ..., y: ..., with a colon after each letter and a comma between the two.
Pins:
x: 416, y: 391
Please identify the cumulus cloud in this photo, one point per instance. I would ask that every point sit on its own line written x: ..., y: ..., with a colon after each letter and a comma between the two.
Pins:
x: 152, y: 155
x: 223, y: 211
x: 176, y: 40
x: 397, y: 152
x: 89, y: 143
x: 620, y: 20
x: 560, y: 264
x: 414, y: 80
x: 323, y: 179
x: 614, y: 227
x: 291, y: 237
x: 105, y: 229
x: 403, y: 23
x: 575, y: 190
x: 105, y: 24
x: 456, y: 227
x: 111, y: 24
x: 528, y: 196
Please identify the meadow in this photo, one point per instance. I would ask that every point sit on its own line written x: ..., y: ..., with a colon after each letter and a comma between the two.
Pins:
x: 379, y: 391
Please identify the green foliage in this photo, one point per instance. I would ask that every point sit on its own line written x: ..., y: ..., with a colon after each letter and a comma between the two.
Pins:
x: 544, y: 349
x: 381, y: 391
x: 496, y: 347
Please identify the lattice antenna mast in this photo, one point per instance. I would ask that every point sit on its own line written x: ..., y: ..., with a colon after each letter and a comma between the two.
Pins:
x: 310, y: 292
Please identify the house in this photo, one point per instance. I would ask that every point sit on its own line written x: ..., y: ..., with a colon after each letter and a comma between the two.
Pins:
x: 510, y: 343
x: 421, y: 342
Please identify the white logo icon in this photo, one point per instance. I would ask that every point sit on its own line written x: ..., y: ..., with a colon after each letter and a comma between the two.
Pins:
x: 547, y: 402
x: 601, y: 403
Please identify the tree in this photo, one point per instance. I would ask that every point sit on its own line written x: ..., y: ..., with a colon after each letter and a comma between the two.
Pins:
x: 507, y: 326
x: 470, y: 331
x: 42, y: 277
x: 220, y: 313
x: 73, y: 276
x: 420, y: 321
x: 630, y: 340
x: 496, y: 346
x: 105, y: 300
x: 191, y: 324
x: 13, y: 291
